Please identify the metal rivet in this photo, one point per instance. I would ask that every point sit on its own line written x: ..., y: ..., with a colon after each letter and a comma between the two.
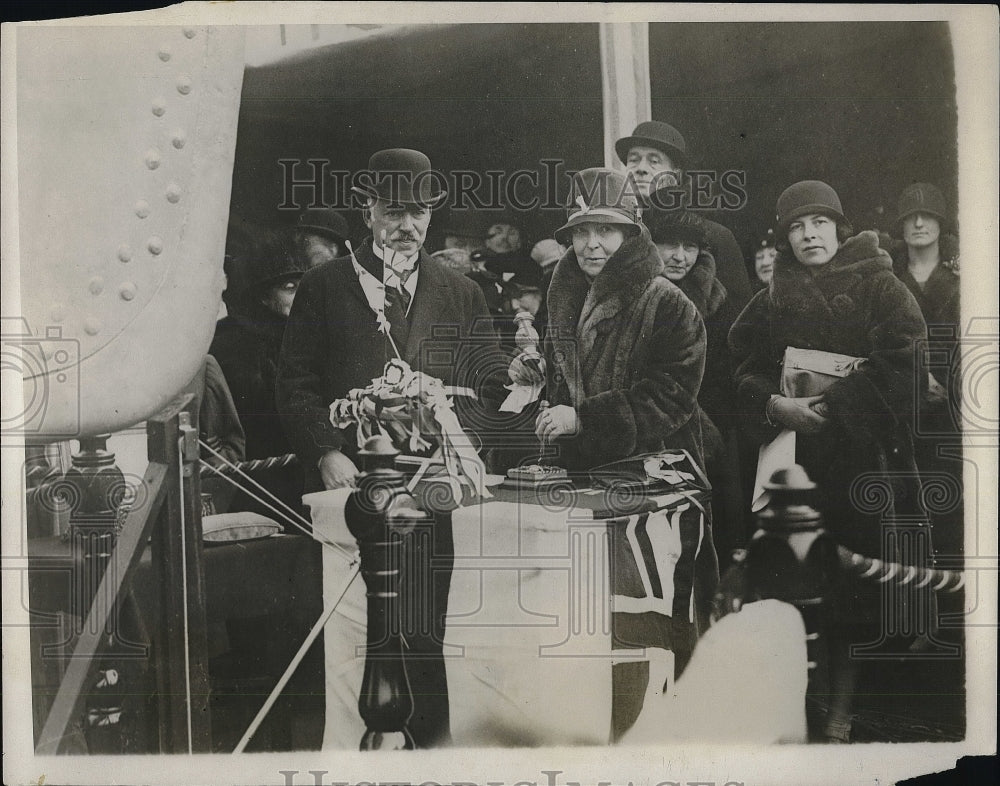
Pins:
x: 124, y: 253
x: 159, y: 107
x: 92, y: 325
x: 179, y: 139
x: 58, y: 312
x: 127, y: 290
x: 173, y: 193
x: 142, y: 210
x: 189, y: 32
x: 164, y: 53
x: 184, y: 85
x: 96, y: 285
x: 152, y: 158
x: 155, y: 245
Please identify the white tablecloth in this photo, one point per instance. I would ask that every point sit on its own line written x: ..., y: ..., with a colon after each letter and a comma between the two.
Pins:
x: 528, y: 642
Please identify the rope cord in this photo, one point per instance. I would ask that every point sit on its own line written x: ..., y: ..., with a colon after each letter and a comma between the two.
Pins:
x: 882, y: 572
x: 256, y: 465
x: 291, y: 516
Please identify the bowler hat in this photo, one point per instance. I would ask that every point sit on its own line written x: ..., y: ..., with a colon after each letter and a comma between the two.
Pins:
x: 324, y: 221
x: 653, y: 133
x: 922, y: 198
x: 602, y: 196
x: 804, y: 198
x: 401, y: 175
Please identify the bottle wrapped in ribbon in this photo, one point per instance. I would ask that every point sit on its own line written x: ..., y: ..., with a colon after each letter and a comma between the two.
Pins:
x: 527, y: 369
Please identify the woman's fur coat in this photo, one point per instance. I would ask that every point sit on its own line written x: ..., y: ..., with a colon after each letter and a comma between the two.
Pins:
x: 628, y: 352
x: 853, y: 305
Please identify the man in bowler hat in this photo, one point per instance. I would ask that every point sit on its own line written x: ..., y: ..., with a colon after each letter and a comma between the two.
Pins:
x: 656, y: 156
x: 333, y: 344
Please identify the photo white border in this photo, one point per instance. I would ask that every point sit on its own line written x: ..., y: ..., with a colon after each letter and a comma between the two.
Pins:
x: 974, y: 33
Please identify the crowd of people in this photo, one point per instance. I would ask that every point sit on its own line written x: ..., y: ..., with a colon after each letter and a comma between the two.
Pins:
x: 658, y: 332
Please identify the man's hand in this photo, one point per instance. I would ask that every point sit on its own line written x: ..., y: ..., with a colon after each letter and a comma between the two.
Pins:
x: 799, y: 414
x: 337, y: 470
x: 527, y: 369
x: 555, y: 422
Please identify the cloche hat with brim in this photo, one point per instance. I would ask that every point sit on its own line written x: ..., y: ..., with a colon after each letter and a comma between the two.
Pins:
x: 599, y: 195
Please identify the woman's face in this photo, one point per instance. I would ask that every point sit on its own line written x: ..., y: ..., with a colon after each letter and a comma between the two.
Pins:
x: 594, y: 243
x: 921, y: 230
x: 813, y: 239
x: 678, y: 257
x: 764, y: 264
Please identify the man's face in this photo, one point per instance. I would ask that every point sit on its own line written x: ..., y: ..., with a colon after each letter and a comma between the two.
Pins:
x: 763, y: 264
x: 278, y: 297
x: 400, y: 227
x: 319, y: 249
x: 678, y: 257
x: 503, y: 238
x: 651, y: 169
x: 921, y: 230
x: 813, y: 239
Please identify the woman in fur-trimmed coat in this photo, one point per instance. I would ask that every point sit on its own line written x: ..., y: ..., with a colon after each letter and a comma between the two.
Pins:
x: 859, y: 433
x: 837, y: 293
x: 627, y: 352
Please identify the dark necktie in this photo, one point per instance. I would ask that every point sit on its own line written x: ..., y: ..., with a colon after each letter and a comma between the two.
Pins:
x: 397, y: 302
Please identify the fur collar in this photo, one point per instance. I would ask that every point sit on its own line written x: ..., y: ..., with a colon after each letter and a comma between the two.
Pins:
x: 702, y: 287
x: 794, y: 286
x: 577, y: 307
x: 574, y: 300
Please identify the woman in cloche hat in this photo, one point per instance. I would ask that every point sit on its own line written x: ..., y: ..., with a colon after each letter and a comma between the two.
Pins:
x: 631, y: 390
x: 836, y: 293
x: 625, y: 353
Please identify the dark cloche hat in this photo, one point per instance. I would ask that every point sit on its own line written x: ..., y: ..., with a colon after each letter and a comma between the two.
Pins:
x: 922, y: 198
x: 599, y: 195
x: 401, y: 175
x: 762, y: 240
x: 324, y: 221
x: 653, y: 133
x: 805, y: 197
x: 272, y: 259
x: 681, y: 225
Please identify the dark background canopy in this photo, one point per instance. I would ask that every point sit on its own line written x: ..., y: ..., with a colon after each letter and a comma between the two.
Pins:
x: 868, y: 107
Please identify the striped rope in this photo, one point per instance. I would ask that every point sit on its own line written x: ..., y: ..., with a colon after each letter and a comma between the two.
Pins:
x: 877, y: 570
x: 254, y: 465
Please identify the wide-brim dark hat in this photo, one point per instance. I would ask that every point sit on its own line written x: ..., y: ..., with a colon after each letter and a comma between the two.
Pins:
x: 324, y: 221
x: 599, y: 195
x: 271, y: 260
x: 922, y: 198
x: 402, y: 176
x: 653, y: 133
